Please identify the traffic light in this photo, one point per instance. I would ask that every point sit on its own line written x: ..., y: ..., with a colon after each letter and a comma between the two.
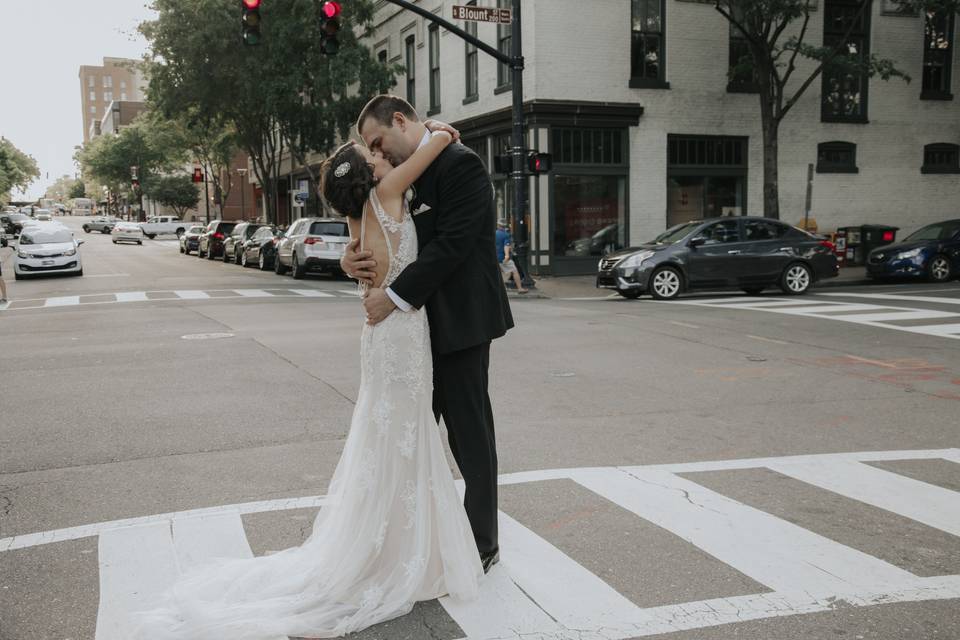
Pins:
x: 197, y: 174
x: 329, y: 26
x: 251, y: 22
x: 538, y: 163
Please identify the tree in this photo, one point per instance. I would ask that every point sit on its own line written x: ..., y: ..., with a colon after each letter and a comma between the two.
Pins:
x: 282, y: 95
x: 61, y: 188
x: 78, y: 190
x: 213, y: 142
x: 17, y: 169
x: 772, y: 58
x: 175, y: 191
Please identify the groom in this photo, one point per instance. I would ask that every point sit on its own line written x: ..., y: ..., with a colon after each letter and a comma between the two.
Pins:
x: 457, y: 277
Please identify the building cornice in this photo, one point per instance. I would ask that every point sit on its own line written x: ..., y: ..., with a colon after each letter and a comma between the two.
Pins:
x: 570, y: 113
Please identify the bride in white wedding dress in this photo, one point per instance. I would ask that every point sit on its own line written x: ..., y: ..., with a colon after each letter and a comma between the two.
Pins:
x: 394, y: 531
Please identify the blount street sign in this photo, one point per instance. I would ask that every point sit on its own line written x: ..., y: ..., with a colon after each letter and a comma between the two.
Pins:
x: 482, y: 14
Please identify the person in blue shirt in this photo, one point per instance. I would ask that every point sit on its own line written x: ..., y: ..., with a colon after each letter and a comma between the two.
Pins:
x: 504, y: 248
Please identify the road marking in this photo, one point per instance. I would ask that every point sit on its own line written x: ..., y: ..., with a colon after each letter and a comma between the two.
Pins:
x: 683, y: 324
x: 106, y: 275
x: 131, y: 296
x: 163, y: 296
x: 349, y: 292
x: 64, y: 301
x: 312, y: 293
x: 895, y: 296
x: 942, y: 330
x: 762, y: 339
x: 886, y: 316
x: 254, y: 293
x: 192, y: 295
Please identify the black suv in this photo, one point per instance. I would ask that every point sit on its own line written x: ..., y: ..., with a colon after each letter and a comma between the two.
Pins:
x: 213, y: 237
x: 233, y: 245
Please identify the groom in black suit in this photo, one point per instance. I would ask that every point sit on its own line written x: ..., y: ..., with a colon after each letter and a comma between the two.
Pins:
x: 457, y: 278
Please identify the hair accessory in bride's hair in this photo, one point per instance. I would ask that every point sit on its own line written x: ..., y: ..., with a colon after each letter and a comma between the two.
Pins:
x: 342, y: 169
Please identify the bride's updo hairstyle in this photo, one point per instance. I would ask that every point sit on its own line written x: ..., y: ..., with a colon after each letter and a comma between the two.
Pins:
x: 346, y: 180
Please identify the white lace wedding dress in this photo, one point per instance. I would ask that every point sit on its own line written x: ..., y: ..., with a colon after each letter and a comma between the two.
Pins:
x: 393, y: 533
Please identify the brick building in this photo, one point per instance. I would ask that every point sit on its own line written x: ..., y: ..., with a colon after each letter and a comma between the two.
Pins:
x: 646, y: 130
x: 116, y: 80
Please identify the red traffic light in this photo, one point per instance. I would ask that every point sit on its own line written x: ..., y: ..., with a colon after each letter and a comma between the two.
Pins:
x: 251, y: 4
x: 331, y: 9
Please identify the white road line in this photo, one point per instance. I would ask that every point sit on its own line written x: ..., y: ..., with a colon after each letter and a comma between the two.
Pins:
x: 685, y: 324
x: 896, y: 296
x: 192, y: 295
x: 64, y: 301
x: 217, y: 535
x: 941, y: 330
x: 772, y: 551
x: 131, y: 296
x: 106, y: 275
x: 774, y: 303
x: 312, y: 293
x: 830, y: 307
x: 254, y: 293
x: 762, y: 339
x: 888, y: 316
x: 920, y: 501
x: 349, y: 292
x: 136, y: 565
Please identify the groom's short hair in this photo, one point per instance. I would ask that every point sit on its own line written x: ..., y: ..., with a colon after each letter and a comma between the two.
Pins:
x: 381, y: 108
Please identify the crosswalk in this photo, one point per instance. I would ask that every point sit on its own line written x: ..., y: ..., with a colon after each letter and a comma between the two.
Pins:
x: 537, y: 591
x: 165, y: 296
x: 885, y: 311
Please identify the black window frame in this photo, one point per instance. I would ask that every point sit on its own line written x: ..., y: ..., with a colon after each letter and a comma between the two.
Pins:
x: 504, y: 46
x: 738, y: 47
x: 410, y: 59
x: 638, y: 44
x: 433, y: 64
x: 944, y: 57
x: 860, y: 35
x: 830, y: 165
x: 947, y: 149
x: 471, y: 61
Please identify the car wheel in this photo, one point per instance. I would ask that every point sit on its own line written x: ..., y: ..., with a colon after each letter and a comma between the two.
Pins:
x: 629, y: 294
x: 243, y: 259
x: 297, y: 270
x: 278, y: 267
x: 199, y: 252
x: 140, y: 242
x: 79, y: 273
x: 752, y: 291
x: 105, y: 230
x: 238, y: 257
x: 17, y: 276
x: 181, y: 249
x: 261, y: 261
x: 939, y: 269
x: 666, y: 283
x: 114, y: 242
x: 179, y: 232
x: 86, y: 229
x: 226, y: 258
x: 210, y: 255
x: 151, y: 235
x: 796, y: 279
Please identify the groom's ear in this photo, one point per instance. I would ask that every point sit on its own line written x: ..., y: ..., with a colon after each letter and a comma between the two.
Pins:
x: 400, y: 121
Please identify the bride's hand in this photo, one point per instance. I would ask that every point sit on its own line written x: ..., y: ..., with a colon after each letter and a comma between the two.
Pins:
x: 436, y: 125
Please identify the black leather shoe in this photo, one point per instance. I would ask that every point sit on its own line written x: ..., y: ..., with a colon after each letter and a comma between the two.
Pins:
x: 489, y: 559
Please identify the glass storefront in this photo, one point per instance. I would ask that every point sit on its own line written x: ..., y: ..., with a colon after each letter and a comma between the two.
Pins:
x: 706, y: 177
x: 589, y: 215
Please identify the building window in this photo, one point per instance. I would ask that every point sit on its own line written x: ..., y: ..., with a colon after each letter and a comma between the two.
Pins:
x: 411, y: 61
x: 382, y: 56
x: 108, y: 96
x: 588, y: 146
x: 472, y: 61
x: 706, y: 177
x: 434, y: 69
x: 93, y: 96
x: 741, y: 77
x: 941, y: 157
x: 107, y: 82
x: 844, y: 93
x: 123, y: 97
x: 93, y: 109
x: 123, y: 85
x: 504, y: 46
x: 837, y: 157
x: 91, y: 81
x: 647, y: 45
x: 937, y: 55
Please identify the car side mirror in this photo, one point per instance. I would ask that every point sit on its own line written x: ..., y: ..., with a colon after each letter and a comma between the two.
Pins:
x: 699, y: 241
x: 80, y: 242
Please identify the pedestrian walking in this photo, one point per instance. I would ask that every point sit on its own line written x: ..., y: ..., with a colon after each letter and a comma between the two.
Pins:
x: 508, y: 269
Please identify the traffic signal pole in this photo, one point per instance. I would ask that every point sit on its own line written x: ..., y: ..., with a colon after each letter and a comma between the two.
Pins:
x: 517, y: 151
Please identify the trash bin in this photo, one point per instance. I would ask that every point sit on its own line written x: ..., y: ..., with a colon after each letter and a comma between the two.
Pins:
x: 855, y: 243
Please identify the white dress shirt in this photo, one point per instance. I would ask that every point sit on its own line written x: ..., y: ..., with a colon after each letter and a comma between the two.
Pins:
x: 402, y: 304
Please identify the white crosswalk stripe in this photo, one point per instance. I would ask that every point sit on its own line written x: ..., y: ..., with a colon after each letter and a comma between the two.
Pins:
x: 166, y: 296
x: 539, y: 592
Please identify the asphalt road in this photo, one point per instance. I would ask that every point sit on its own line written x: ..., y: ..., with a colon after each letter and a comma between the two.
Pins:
x: 714, y: 468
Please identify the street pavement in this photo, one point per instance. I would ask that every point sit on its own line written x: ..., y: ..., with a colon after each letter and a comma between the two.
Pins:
x: 717, y: 467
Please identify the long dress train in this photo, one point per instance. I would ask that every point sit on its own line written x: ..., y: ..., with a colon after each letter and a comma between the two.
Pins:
x: 393, y: 533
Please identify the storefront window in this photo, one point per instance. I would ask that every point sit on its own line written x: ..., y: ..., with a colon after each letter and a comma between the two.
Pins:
x: 706, y: 177
x: 589, y: 214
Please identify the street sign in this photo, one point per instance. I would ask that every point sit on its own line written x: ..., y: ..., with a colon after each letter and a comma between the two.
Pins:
x: 483, y: 14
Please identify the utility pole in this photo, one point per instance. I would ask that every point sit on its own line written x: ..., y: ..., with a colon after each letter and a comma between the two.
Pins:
x: 206, y: 194
x: 243, y: 195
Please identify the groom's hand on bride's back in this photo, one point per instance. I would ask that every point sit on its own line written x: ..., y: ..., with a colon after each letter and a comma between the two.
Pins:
x: 358, y: 265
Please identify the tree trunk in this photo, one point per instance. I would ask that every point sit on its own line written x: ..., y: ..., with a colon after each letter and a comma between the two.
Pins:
x: 771, y: 128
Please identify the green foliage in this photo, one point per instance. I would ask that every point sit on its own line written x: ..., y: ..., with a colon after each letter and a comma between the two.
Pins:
x: 77, y: 190
x: 175, y: 191
x: 17, y: 169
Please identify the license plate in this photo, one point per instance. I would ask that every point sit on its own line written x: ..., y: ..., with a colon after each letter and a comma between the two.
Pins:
x: 46, y: 262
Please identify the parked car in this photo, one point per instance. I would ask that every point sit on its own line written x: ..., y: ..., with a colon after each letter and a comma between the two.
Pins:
x: 190, y: 239
x: 737, y: 252
x: 312, y: 244
x: 103, y: 224
x: 159, y: 225
x: 212, y: 238
x: 932, y: 253
x: 42, y: 214
x: 232, y: 246
x: 261, y: 248
x: 47, y: 247
x: 13, y: 222
x: 127, y: 232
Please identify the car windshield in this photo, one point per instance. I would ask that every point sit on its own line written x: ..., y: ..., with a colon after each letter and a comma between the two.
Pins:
x: 33, y: 235
x: 938, y: 231
x: 195, y: 230
x: 328, y: 229
x: 676, y: 233
x: 18, y: 216
x: 226, y: 227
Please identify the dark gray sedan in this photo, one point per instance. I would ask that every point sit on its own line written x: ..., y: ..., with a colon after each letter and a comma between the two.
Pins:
x: 746, y: 253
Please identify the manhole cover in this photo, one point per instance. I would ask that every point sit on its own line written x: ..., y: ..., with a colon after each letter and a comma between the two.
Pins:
x: 206, y: 336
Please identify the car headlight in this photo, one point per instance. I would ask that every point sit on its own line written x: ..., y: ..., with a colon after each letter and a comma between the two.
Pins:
x: 635, y: 260
x: 70, y: 252
x: 906, y: 255
x: 21, y: 254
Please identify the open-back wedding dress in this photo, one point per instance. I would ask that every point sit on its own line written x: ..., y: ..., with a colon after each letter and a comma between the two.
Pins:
x: 393, y: 532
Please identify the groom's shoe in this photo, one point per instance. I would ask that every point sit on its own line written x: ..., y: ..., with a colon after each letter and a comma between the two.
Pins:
x: 489, y: 559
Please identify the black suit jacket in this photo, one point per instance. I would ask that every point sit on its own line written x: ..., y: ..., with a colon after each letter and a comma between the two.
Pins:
x: 456, y: 274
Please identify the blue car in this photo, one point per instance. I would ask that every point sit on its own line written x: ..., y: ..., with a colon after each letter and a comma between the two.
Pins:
x: 932, y: 253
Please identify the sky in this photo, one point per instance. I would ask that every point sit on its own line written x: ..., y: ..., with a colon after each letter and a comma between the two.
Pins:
x: 43, y: 45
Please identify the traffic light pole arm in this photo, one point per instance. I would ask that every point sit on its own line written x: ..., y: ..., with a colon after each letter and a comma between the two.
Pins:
x: 480, y: 44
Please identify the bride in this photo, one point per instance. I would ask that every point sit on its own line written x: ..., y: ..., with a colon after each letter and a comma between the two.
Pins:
x: 394, y: 531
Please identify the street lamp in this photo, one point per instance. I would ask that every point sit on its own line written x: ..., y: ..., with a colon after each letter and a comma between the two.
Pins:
x: 243, y: 195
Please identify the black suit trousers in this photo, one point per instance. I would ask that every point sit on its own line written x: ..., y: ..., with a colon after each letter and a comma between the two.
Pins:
x: 460, y: 396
